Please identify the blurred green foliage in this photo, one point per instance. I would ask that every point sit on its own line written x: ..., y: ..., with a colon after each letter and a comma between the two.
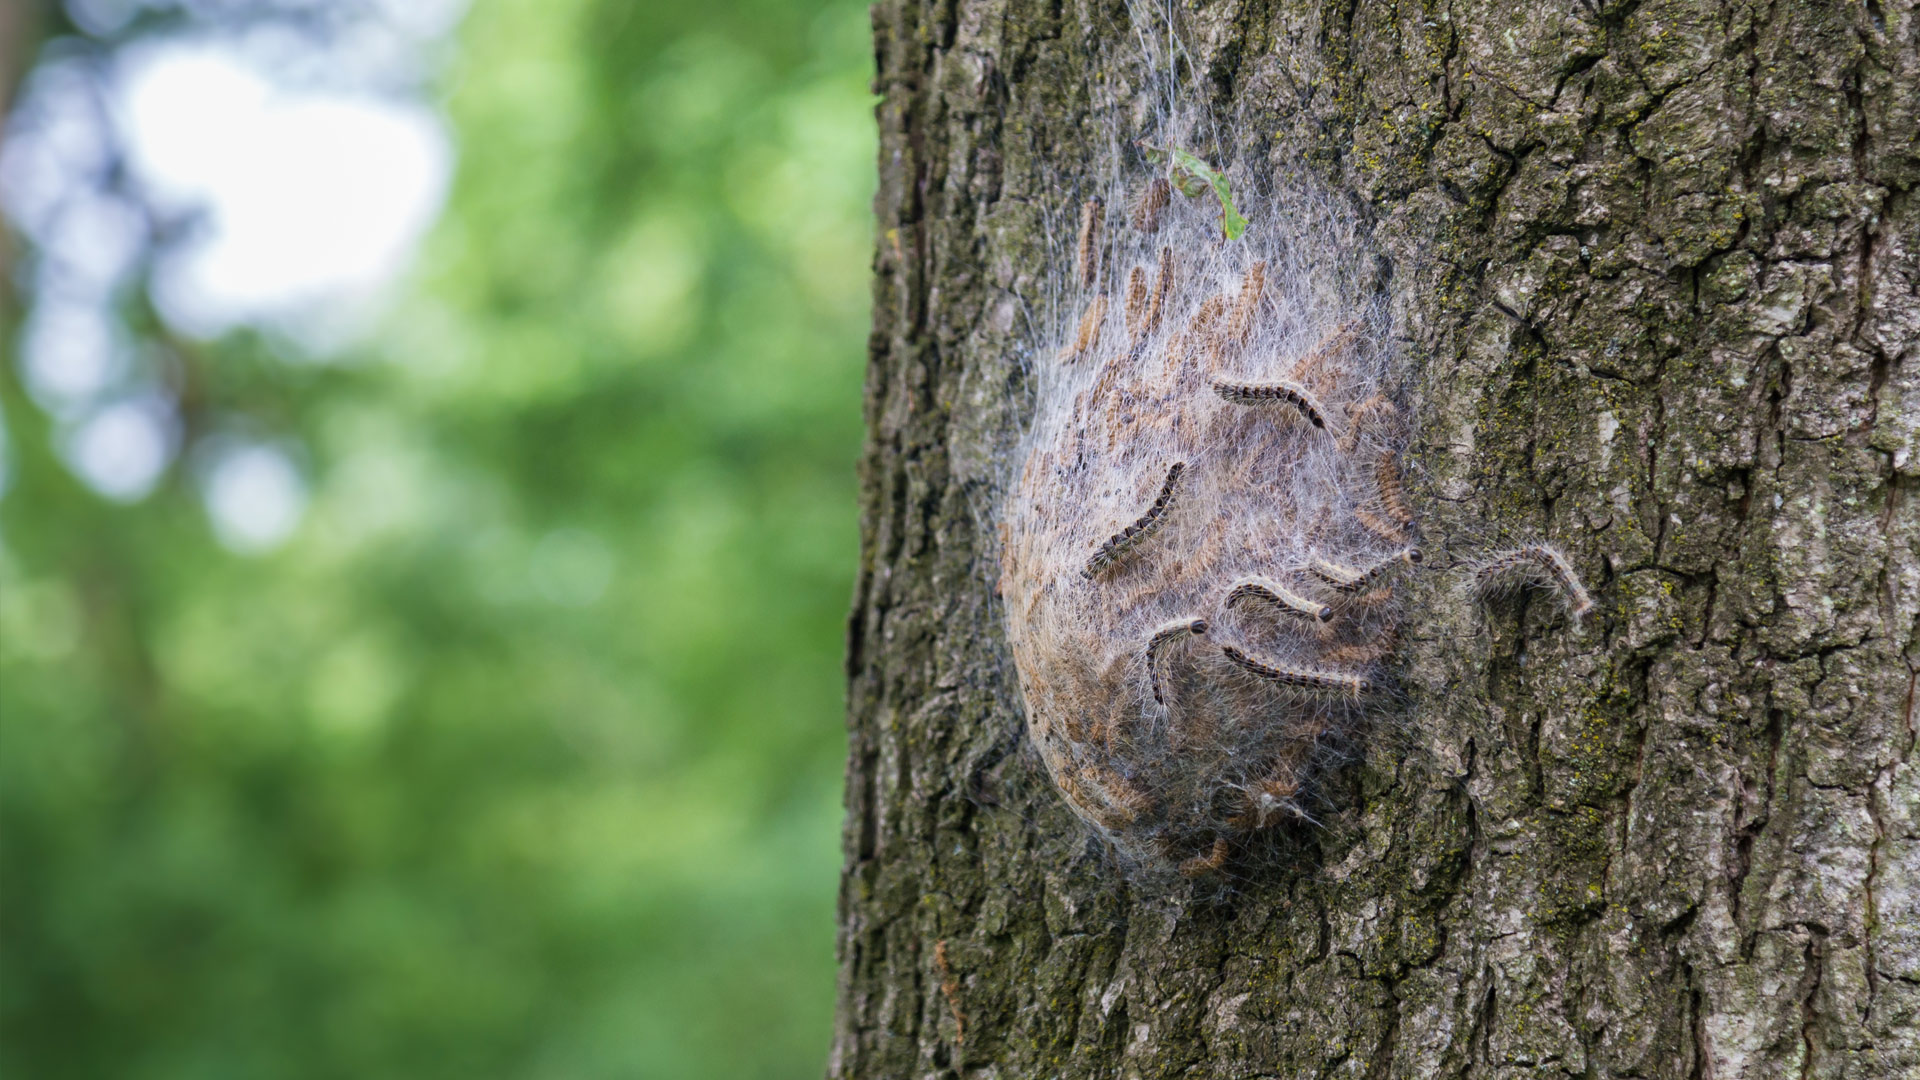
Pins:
x: 522, y: 757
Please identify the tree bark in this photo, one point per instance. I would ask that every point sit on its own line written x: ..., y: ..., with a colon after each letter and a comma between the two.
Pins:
x: 1659, y: 264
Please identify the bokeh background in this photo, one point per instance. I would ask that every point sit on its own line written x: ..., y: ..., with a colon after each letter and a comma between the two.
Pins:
x: 427, y: 434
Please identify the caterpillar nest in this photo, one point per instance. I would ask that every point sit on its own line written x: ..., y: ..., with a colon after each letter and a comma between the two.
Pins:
x: 1202, y: 547
x: 1202, y: 553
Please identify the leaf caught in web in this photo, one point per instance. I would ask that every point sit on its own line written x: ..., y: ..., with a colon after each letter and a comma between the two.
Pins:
x: 1194, y: 177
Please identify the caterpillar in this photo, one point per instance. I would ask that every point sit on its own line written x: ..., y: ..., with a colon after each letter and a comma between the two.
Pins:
x: 1166, y: 635
x: 1293, y: 676
x: 1537, y: 564
x: 1275, y: 593
x: 1123, y: 541
x: 1353, y: 579
x: 1087, y: 258
x: 1261, y: 393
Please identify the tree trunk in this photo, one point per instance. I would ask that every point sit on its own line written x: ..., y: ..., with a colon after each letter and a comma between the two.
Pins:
x: 1659, y: 265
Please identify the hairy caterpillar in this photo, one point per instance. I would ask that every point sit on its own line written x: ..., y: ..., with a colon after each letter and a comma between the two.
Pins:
x: 1533, y: 564
x: 1087, y: 259
x: 1276, y: 593
x: 1185, y: 677
x: 1292, y: 394
x: 1123, y: 541
x: 1166, y: 635
x: 1292, y: 676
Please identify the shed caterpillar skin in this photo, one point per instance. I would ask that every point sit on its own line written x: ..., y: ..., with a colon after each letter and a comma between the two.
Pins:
x: 1363, y: 414
x: 1088, y: 335
x: 1248, y: 303
x: 1332, y: 350
x: 1177, y: 630
x: 1215, y: 857
x: 1386, y: 530
x: 1136, y: 302
x: 1152, y: 204
x: 1392, y: 495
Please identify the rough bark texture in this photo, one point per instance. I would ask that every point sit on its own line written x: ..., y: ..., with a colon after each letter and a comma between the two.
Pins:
x: 1659, y: 265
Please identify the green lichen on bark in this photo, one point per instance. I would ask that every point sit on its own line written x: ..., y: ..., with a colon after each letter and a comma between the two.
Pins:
x: 1659, y: 262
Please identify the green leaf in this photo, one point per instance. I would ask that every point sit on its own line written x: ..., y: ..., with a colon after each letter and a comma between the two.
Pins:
x: 1194, y: 176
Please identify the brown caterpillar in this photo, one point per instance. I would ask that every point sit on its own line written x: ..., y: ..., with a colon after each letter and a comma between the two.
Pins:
x: 1261, y: 393
x: 1087, y: 259
x: 1088, y: 335
x: 1121, y: 542
x: 1153, y: 203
